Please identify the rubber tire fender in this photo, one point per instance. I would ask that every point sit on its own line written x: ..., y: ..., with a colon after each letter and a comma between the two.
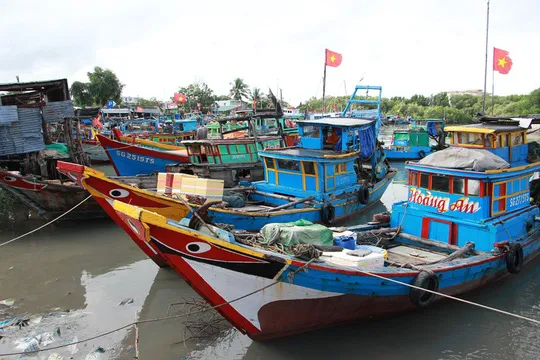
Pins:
x: 425, y: 280
x: 422, y: 154
x: 328, y: 213
x: 363, y: 195
x: 514, y: 258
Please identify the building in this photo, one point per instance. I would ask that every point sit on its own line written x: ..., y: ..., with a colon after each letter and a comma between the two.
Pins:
x: 478, y: 92
x: 222, y: 106
x: 130, y: 100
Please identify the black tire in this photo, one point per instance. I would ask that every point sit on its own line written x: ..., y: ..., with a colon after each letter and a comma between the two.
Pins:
x: 363, y: 195
x: 425, y: 280
x: 422, y: 154
x: 514, y: 258
x: 328, y: 213
x: 202, y: 133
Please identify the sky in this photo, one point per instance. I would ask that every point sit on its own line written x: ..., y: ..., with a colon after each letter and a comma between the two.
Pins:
x: 155, y: 47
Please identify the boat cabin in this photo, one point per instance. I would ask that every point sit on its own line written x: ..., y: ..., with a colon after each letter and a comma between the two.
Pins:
x: 455, y: 204
x: 326, y: 161
x: 338, y: 134
x: 506, y: 141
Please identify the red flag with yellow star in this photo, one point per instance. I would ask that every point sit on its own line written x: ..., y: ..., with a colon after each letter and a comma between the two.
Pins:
x: 501, y: 61
x: 333, y: 58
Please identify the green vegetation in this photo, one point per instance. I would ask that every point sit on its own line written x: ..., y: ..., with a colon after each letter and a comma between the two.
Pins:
x: 458, y: 108
x: 239, y: 89
x: 103, y: 85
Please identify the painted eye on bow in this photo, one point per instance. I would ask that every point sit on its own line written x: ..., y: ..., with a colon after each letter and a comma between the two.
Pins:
x: 198, y: 247
x: 118, y: 193
x: 10, y: 178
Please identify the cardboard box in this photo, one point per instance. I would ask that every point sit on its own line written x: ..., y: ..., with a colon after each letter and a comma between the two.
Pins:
x: 211, y: 189
x: 171, y: 183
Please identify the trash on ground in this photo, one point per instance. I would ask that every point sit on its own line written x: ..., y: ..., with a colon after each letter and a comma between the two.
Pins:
x: 7, y: 302
x: 126, y: 301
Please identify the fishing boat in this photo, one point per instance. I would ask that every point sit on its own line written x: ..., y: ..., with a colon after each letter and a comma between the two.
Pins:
x: 138, y: 156
x: 466, y: 223
x: 414, y: 143
x: 31, y: 115
x: 337, y: 172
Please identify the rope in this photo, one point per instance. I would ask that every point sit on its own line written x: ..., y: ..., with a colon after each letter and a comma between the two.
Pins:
x: 50, y: 222
x: 449, y: 296
x: 135, y: 323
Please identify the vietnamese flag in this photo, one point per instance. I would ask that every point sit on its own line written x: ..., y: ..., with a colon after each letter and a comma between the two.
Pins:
x: 501, y: 61
x: 333, y: 58
x: 179, y: 98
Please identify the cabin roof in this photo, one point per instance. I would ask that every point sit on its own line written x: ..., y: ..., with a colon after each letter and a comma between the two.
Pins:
x: 485, y: 128
x: 302, y: 152
x: 339, y: 122
x: 34, y: 85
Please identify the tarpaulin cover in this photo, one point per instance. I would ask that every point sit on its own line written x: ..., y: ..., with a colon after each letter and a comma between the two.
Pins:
x: 299, y: 232
x: 465, y: 158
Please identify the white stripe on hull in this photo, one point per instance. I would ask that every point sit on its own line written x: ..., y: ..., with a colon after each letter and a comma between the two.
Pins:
x: 231, y: 285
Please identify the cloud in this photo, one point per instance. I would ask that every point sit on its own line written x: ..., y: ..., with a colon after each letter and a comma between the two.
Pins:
x: 155, y: 47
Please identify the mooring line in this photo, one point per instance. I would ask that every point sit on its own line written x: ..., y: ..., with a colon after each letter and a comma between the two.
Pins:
x: 47, y: 224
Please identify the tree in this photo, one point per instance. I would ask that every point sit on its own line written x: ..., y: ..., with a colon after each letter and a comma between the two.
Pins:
x: 239, y: 89
x: 80, y: 94
x: 148, y: 102
x: 103, y: 86
x: 420, y: 100
x: 222, y: 97
x: 198, y: 93
x: 256, y: 95
x: 440, y: 99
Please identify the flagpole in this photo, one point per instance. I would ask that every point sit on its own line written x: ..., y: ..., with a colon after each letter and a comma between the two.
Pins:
x: 485, y: 70
x: 324, y: 82
x: 492, y: 91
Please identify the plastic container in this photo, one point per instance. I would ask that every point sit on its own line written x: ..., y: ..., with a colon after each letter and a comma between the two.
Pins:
x: 375, y: 259
x: 346, y: 242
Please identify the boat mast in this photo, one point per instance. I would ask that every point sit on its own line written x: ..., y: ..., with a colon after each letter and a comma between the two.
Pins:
x: 486, y: 63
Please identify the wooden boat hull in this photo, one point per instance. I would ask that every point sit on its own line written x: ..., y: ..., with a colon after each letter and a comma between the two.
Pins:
x: 50, y: 199
x: 289, y: 296
x: 101, y: 186
x: 131, y: 160
x: 105, y: 190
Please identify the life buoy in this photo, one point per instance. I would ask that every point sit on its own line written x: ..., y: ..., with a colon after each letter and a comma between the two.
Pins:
x: 514, y: 258
x: 328, y: 213
x: 425, y: 280
x: 363, y: 195
x: 422, y: 154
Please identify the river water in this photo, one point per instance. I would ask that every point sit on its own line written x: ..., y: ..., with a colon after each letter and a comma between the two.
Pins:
x: 70, y: 279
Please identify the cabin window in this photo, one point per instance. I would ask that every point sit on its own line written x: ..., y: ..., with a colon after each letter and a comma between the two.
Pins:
x: 517, y: 139
x: 488, y: 141
x: 458, y: 185
x: 309, y: 168
x: 288, y: 164
x: 473, y: 187
x: 471, y: 139
x: 424, y: 181
x: 269, y: 163
x: 440, y: 183
x: 312, y: 132
x: 340, y: 168
x: 413, y: 178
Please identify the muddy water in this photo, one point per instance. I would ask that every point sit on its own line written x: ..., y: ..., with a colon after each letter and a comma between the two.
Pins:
x: 71, y: 278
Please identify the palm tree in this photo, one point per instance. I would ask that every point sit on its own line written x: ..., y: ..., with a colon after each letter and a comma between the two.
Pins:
x: 239, y: 89
x: 256, y: 95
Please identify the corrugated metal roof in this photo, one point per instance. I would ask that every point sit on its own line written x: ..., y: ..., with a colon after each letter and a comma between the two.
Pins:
x: 57, y: 111
x: 23, y: 135
x: 8, y: 115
